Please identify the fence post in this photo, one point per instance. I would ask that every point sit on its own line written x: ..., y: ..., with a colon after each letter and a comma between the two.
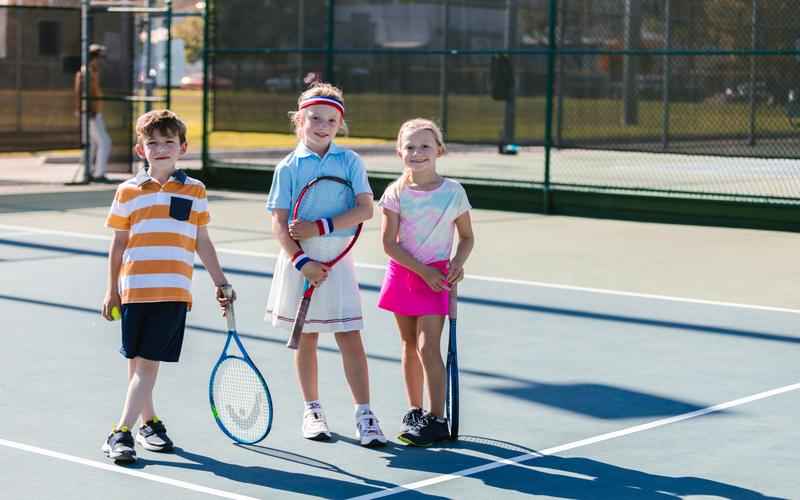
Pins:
x: 548, y: 113
x: 753, y: 97
x: 207, y: 170
x: 329, y: 76
x: 443, y: 69
x: 665, y: 97
x: 511, y: 101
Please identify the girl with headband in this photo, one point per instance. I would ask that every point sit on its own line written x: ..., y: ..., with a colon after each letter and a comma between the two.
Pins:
x: 336, y: 304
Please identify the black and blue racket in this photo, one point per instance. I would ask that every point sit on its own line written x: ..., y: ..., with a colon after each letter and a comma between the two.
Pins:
x: 239, y: 396
x: 451, y: 400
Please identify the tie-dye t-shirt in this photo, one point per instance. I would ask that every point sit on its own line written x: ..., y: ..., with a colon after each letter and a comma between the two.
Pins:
x: 427, y: 218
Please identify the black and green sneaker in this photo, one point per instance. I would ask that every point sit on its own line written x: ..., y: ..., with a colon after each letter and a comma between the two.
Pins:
x: 430, y: 429
x: 411, y: 419
x: 153, y: 436
x: 119, y: 446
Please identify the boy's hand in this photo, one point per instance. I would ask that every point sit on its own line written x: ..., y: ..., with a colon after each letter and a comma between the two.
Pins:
x: 315, y: 272
x: 302, y: 229
x: 224, y: 299
x: 109, y: 302
x: 434, y: 279
x: 455, y: 272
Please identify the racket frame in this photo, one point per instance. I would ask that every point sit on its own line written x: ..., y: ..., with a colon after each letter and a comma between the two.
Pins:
x: 233, y: 335
x: 308, y: 288
x: 451, y: 385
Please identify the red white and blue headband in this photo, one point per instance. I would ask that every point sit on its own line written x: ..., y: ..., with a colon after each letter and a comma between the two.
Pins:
x: 324, y: 101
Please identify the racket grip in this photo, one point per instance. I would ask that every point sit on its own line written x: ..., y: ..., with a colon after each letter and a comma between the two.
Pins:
x: 299, y: 321
x: 453, y: 304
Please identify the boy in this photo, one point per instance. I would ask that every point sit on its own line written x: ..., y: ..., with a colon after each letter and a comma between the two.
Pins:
x: 159, y: 219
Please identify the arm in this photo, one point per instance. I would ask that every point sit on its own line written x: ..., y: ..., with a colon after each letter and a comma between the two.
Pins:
x: 466, y: 241
x: 390, y: 227
x: 118, y: 244
x: 363, y: 211
x: 208, y: 254
x: 78, y: 88
x: 313, y: 271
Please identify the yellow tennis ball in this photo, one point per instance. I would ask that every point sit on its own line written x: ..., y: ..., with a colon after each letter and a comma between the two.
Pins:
x: 115, y: 313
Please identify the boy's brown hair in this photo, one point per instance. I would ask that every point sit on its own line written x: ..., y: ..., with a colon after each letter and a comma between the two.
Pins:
x: 163, y: 120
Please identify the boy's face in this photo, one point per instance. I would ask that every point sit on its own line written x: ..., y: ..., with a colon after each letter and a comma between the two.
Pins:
x: 160, y: 150
x: 318, y: 126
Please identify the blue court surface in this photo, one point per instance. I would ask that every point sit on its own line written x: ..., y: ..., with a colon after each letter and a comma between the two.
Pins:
x: 567, y: 391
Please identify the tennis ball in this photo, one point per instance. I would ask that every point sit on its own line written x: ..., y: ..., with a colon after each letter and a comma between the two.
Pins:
x: 115, y: 313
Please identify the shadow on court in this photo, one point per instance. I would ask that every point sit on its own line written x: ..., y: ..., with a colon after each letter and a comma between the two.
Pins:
x: 556, y: 477
x: 276, y: 479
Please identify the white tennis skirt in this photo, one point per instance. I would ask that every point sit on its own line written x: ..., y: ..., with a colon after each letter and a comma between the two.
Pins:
x: 335, y: 305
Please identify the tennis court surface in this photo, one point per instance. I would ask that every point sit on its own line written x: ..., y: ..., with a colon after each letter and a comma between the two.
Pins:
x: 599, y: 360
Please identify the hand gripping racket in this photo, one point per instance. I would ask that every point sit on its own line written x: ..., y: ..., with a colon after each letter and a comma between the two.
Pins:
x: 319, y: 192
x: 239, y: 396
x: 451, y: 400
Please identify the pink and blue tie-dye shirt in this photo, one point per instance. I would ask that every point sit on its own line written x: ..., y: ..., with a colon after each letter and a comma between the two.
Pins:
x: 427, y: 218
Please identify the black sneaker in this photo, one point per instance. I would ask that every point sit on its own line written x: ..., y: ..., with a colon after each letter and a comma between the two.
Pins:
x: 411, y: 419
x: 153, y: 436
x: 119, y: 446
x: 429, y: 430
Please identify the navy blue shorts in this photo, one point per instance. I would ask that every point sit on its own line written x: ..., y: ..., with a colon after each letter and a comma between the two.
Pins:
x: 153, y: 330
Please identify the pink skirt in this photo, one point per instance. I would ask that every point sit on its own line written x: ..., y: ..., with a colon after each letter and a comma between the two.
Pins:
x: 405, y: 293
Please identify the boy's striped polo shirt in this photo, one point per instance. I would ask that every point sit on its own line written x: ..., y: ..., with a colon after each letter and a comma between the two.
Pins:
x: 162, y: 224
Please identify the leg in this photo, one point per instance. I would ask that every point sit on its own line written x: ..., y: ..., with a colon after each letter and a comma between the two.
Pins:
x: 354, y: 360
x: 305, y: 360
x: 103, y: 146
x: 412, y: 367
x: 148, y: 409
x: 429, y: 347
x: 140, y: 390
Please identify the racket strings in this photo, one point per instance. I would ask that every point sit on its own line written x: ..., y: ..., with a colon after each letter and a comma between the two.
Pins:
x: 241, y: 401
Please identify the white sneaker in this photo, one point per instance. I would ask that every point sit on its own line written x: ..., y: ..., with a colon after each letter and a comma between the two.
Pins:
x: 368, y: 430
x: 315, y: 427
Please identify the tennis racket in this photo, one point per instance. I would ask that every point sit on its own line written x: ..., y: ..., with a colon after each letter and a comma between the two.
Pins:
x: 451, y: 400
x: 315, y: 201
x: 239, y: 396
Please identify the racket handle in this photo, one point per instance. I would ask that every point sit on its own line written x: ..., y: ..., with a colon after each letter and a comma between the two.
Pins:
x: 453, y: 305
x: 299, y: 321
x: 227, y: 292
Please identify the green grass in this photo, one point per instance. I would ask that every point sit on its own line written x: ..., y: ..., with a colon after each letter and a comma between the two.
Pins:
x: 374, y: 118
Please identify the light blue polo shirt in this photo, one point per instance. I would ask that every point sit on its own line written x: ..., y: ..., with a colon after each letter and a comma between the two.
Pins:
x: 302, y: 165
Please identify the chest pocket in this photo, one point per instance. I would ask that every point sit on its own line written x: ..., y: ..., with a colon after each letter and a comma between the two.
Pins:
x: 180, y: 208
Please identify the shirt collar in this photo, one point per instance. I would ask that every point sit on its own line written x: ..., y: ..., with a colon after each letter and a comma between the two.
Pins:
x: 302, y: 151
x: 144, y: 177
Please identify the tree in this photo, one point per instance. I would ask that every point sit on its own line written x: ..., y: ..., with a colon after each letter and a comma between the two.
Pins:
x: 190, y: 30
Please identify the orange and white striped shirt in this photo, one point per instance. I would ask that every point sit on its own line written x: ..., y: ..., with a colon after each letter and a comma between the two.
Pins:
x: 162, y: 223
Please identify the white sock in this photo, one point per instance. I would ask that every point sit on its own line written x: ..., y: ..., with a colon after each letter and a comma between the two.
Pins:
x: 361, y: 409
x: 312, y: 405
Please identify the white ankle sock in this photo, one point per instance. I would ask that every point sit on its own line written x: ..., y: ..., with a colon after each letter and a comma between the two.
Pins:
x: 361, y: 409
x: 312, y: 405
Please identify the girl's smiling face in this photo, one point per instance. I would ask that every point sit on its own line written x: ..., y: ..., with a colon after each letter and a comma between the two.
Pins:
x: 419, y: 150
x: 318, y: 127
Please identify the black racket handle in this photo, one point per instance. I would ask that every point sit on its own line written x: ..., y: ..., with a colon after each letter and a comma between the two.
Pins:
x: 299, y: 321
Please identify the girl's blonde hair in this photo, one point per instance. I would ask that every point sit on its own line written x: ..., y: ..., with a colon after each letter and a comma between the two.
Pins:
x: 407, y: 128
x: 317, y: 89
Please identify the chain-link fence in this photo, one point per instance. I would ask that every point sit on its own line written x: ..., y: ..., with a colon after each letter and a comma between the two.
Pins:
x: 667, y: 88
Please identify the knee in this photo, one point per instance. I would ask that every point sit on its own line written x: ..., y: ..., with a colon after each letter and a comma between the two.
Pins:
x: 428, y: 351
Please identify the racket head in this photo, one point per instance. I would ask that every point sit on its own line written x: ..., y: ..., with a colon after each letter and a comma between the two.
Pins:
x: 452, y: 389
x: 240, y: 400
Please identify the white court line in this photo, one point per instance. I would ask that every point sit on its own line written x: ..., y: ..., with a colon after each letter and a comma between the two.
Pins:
x: 578, y: 444
x: 491, y: 279
x: 122, y: 470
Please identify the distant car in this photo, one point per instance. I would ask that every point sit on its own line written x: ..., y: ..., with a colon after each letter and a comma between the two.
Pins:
x: 277, y: 83
x: 741, y: 92
x: 194, y: 81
